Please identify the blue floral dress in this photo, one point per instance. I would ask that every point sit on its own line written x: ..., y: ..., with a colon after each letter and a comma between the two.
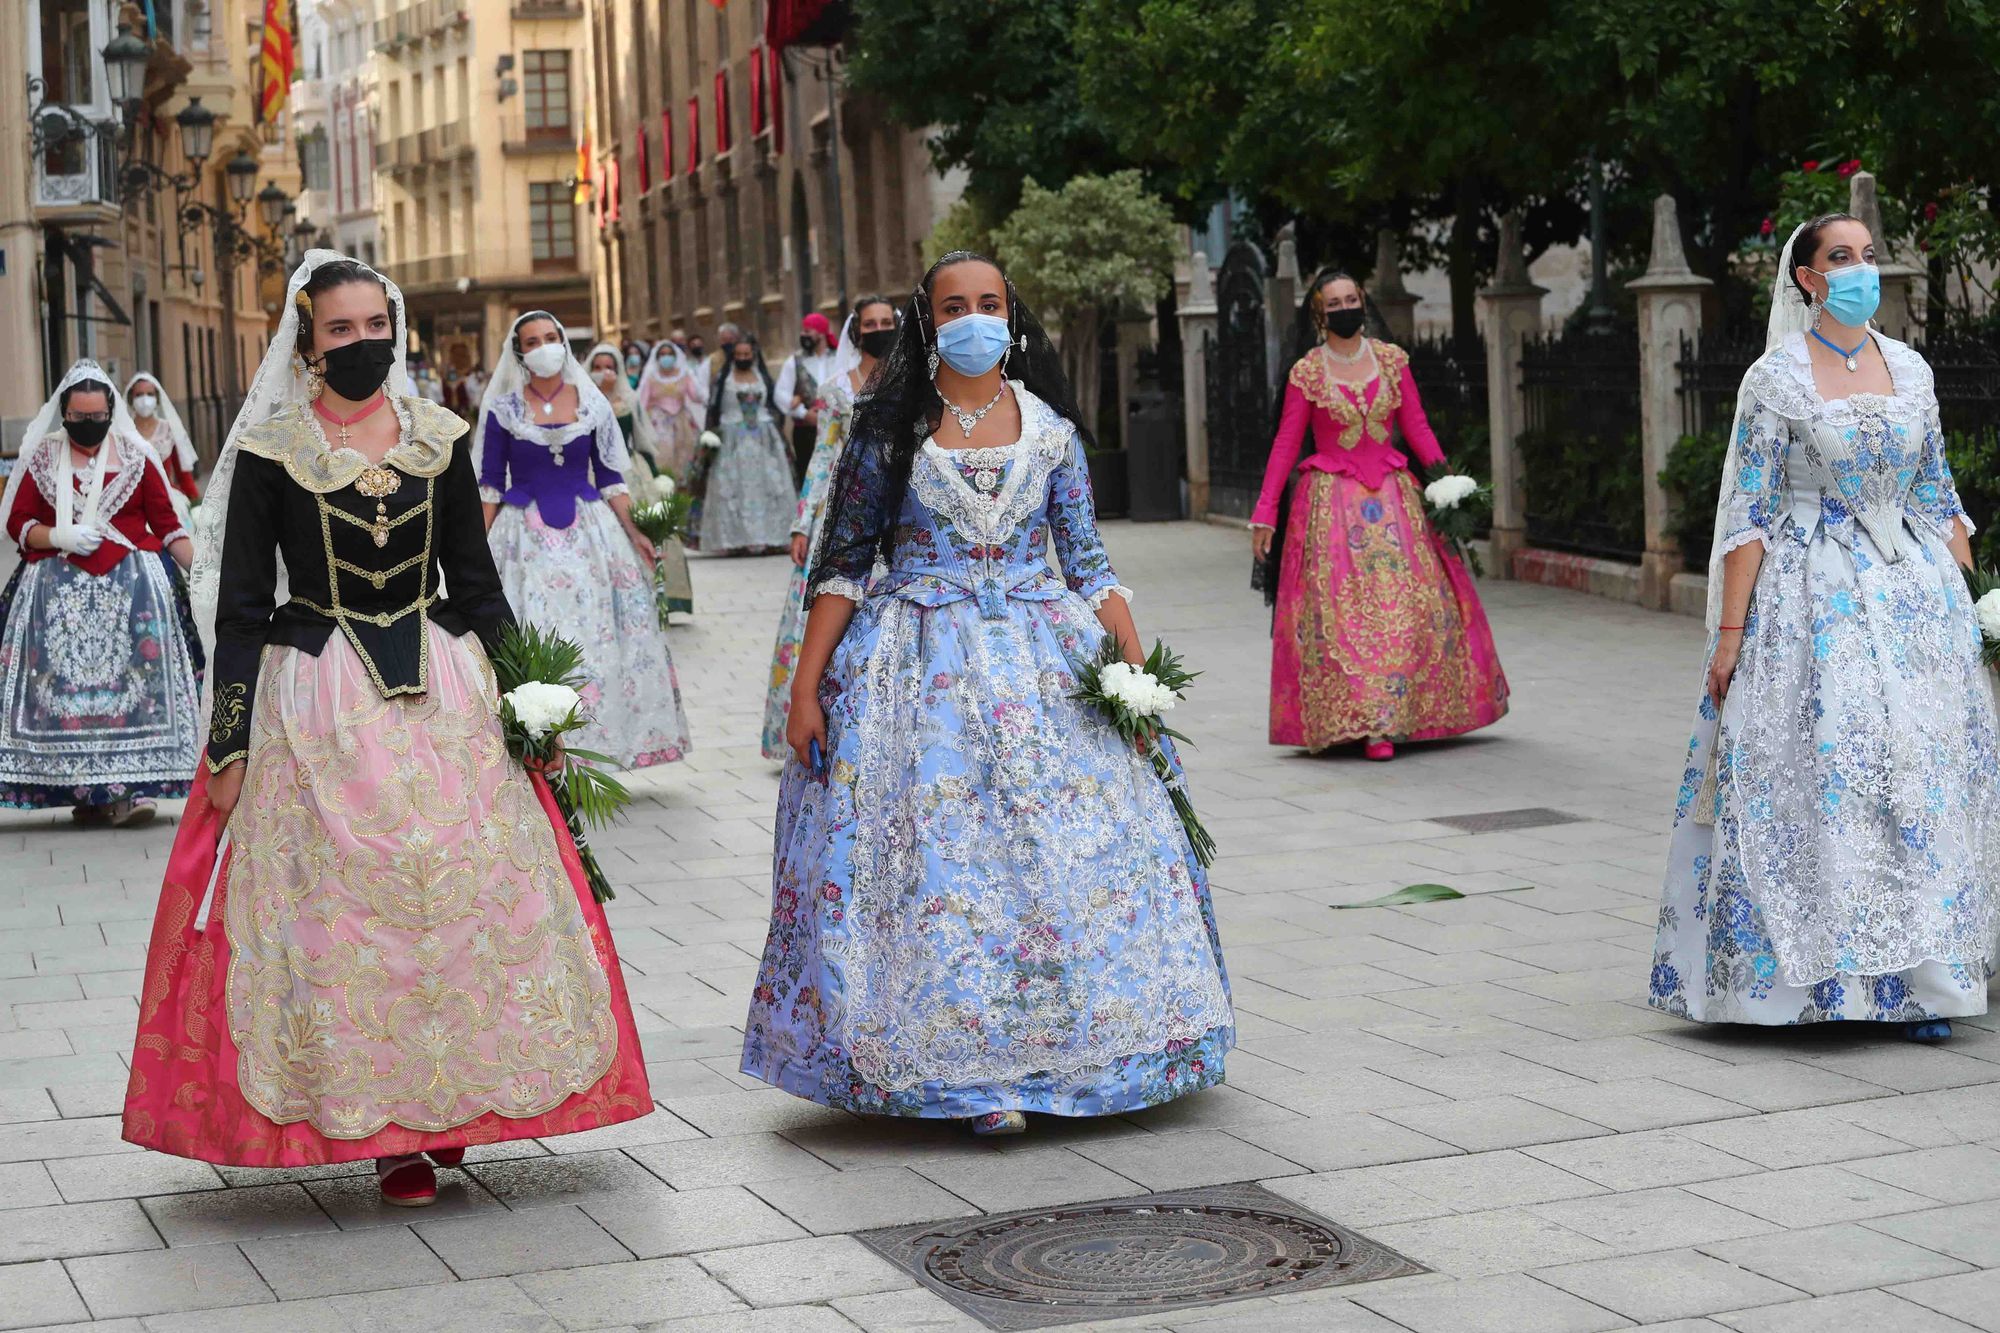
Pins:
x: 1834, y: 847
x: 988, y: 904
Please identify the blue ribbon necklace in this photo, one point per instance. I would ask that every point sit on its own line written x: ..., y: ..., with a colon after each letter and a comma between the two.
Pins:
x: 1848, y: 356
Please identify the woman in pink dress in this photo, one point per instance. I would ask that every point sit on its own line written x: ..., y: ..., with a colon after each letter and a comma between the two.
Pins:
x: 1378, y: 635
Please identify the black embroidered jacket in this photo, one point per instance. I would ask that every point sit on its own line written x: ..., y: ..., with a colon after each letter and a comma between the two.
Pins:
x: 363, y: 549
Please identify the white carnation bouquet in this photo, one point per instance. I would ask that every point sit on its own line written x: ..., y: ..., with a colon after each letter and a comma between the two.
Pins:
x: 1984, y: 585
x: 1132, y: 699
x: 1459, y: 507
x: 540, y: 677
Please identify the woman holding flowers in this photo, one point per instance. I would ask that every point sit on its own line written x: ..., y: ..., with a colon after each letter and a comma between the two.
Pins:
x: 552, y: 469
x: 1378, y: 636
x: 398, y: 957
x: 868, y: 335
x: 1836, y: 842
x: 984, y: 902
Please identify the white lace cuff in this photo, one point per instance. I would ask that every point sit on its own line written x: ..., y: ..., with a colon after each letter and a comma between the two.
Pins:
x: 491, y: 495
x: 1097, y: 598
x: 847, y: 588
x: 614, y: 490
x: 1265, y: 527
x: 1743, y: 538
x: 178, y: 534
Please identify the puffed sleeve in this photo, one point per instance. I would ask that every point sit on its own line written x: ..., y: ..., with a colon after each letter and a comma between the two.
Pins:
x: 1753, y: 498
x: 1073, y: 530
x: 30, y: 507
x: 470, y: 577
x: 493, y: 461
x: 1284, y: 456
x: 1414, y: 425
x: 245, y: 598
x: 1935, y: 495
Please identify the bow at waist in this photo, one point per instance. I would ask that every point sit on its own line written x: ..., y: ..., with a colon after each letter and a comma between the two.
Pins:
x: 939, y: 587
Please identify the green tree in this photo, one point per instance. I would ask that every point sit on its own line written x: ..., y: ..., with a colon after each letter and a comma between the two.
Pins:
x: 1098, y: 247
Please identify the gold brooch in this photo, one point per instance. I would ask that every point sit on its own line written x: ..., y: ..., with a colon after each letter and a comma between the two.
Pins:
x: 378, y: 483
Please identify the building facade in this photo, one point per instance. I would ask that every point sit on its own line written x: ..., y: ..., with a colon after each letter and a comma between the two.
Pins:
x: 477, y: 113
x: 732, y: 183
x: 334, y: 100
x: 118, y: 246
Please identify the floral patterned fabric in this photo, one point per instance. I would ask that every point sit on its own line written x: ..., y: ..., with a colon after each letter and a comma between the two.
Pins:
x: 989, y: 903
x: 836, y: 415
x: 748, y: 495
x: 97, y: 684
x: 585, y: 583
x: 1837, y: 837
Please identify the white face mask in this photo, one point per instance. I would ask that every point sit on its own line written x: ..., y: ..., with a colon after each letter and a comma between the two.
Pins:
x: 545, y: 360
x: 145, y: 405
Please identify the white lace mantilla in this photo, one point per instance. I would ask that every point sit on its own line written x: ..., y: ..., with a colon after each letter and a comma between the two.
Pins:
x: 511, y: 411
x: 118, y: 491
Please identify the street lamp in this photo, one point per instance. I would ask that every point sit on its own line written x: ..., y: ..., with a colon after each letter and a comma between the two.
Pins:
x: 271, y: 205
x: 197, y: 124
x: 242, y: 174
x: 125, y: 58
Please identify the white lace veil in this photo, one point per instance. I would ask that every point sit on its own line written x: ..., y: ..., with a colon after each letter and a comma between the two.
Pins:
x: 1789, y: 315
x: 847, y: 356
x: 280, y: 382
x: 169, y: 416
x: 48, y: 422
x: 507, y: 396
x: 621, y: 397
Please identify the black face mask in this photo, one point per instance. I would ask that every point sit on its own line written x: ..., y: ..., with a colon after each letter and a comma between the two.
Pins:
x: 743, y: 362
x: 808, y: 344
x: 87, y: 434
x: 356, y: 370
x: 1347, y: 322
x: 877, y: 342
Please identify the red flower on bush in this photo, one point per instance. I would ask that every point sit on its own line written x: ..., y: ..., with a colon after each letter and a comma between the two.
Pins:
x: 1849, y: 167
x: 1765, y: 229
x: 1930, y: 212
x: 1809, y: 166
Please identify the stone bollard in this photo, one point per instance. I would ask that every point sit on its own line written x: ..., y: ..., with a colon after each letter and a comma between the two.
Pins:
x: 1897, y: 315
x: 1670, y: 295
x: 1510, y: 314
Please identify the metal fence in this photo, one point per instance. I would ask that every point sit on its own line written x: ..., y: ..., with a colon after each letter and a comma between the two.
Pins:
x: 1581, y: 449
x: 1451, y: 379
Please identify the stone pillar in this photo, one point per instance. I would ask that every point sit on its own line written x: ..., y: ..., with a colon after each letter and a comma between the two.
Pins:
x: 1198, y: 318
x: 1670, y: 296
x: 23, y: 385
x: 1897, y: 315
x: 1396, y: 302
x: 1510, y: 313
x: 1280, y: 308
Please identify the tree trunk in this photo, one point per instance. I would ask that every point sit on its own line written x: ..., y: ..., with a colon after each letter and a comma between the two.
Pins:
x: 1463, y: 260
x: 1079, y: 354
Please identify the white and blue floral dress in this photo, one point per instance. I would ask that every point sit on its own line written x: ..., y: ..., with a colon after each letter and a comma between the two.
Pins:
x: 988, y: 904
x: 1836, y: 843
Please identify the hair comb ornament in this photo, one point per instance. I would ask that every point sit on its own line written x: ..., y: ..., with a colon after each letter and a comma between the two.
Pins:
x: 304, y: 302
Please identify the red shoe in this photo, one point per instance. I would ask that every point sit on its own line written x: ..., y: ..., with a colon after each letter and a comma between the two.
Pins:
x: 1379, y: 751
x: 407, y: 1182
x: 446, y: 1156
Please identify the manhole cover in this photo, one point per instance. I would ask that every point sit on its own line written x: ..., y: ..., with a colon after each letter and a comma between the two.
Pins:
x: 1133, y: 1256
x: 1504, y: 821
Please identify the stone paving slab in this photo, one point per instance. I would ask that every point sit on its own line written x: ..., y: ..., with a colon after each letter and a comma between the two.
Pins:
x: 1476, y: 1083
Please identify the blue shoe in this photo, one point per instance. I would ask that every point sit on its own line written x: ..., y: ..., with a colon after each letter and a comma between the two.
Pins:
x: 1929, y: 1031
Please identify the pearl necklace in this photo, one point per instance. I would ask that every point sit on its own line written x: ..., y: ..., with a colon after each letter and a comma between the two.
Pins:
x: 1346, y: 358
x: 967, y: 420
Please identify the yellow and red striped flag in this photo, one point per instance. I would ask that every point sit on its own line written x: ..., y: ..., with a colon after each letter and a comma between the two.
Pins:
x: 276, y: 61
x: 581, y: 195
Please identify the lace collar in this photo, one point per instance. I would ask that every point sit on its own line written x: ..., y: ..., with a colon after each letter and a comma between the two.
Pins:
x: 1044, y: 444
x: 132, y: 457
x: 511, y: 411
x: 1782, y: 380
x: 293, y: 437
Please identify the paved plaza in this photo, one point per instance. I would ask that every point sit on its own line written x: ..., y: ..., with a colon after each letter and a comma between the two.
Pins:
x: 1476, y: 1084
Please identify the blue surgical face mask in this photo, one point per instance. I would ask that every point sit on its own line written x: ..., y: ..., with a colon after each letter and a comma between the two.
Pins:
x: 1853, y: 293
x: 973, y: 344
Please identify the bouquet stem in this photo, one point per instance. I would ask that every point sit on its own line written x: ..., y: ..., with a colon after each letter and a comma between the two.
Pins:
x: 1197, y: 836
x: 600, y: 886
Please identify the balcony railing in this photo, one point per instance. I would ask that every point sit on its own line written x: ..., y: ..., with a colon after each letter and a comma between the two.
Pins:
x: 80, y: 174
x: 435, y: 271
x: 547, y: 9
x: 519, y: 139
x: 444, y: 143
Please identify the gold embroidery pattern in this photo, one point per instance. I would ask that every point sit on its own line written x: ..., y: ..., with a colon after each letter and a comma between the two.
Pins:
x: 342, y: 615
x: 1343, y: 401
x: 1382, y: 643
x: 231, y: 701
x: 406, y: 946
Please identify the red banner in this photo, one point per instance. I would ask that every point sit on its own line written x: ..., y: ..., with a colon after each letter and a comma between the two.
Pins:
x: 722, y: 111
x: 806, y: 22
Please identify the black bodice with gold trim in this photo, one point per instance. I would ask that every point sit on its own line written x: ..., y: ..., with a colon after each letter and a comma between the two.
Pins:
x: 364, y: 547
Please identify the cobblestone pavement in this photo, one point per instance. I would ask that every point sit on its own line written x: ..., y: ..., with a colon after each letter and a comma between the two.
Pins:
x: 1475, y: 1083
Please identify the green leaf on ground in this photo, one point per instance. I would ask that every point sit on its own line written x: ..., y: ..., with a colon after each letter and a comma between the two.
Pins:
x: 1417, y: 893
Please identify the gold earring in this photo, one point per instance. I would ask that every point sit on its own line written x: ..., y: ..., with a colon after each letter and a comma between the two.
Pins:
x: 314, y: 382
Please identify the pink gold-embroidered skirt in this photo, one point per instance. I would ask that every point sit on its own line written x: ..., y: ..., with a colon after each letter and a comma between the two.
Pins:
x: 402, y: 953
x: 1379, y: 632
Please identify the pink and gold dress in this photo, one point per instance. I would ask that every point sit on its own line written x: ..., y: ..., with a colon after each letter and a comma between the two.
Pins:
x: 1378, y: 633
x: 399, y: 952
